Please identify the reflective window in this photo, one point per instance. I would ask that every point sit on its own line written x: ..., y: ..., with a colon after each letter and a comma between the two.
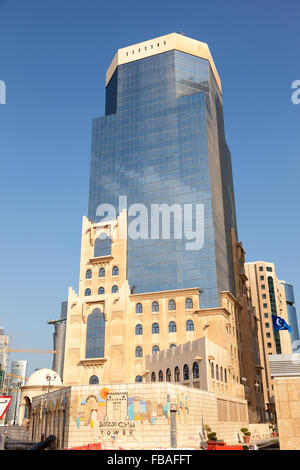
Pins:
x: 139, y: 378
x: 172, y: 327
x: 88, y: 292
x: 155, y: 328
x: 94, y: 380
x: 155, y: 307
x: 102, y: 247
x: 101, y: 290
x: 188, y: 303
x: 115, y: 271
x: 138, y: 351
x: 155, y: 349
x: 172, y: 305
x: 138, y: 329
x: 189, y: 325
x: 101, y: 272
x: 114, y: 289
x: 95, y: 334
x: 138, y: 308
x: 172, y: 345
x: 88, y: 274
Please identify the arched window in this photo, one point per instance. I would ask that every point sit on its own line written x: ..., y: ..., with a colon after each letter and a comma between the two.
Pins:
x: 217, y: 372
x: 115, y: 271
x: 88, y: 292
x: 160, y: 376
x: 188, y: 303
x: 138, y: 308
x: 155, y: 307
x: 102, y: 247
x: 101, y: 272
x: 95, y: 334
x: 155, y: 328
x: 172, y: 345
x: 101, y: 290
x: 195, y: 370
x: 168, y: 375
x: 114, y: 289
x: 189, y: 325
x: 153, y: 377
x: 138, y: 351
x: 172, y: 327
x: 139, y: 378
x: 172, y: 305
x: 212, y: 370
x: 94, y: 380
x: 138, y: 329
x: 177, y: 374
x: 88, y: 274
x: 155, y: 349
x: 186, y: 372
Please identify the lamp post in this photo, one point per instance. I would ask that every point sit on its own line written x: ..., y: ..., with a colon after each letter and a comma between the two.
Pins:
x: 50, y: 379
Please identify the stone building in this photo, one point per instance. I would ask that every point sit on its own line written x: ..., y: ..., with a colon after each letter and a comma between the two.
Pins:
x: 268, y: 297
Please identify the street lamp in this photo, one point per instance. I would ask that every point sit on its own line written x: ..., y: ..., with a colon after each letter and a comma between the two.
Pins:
x: 50, y: 379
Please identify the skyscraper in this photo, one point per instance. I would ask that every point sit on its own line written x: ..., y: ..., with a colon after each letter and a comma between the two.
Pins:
x: 292, y: 314
x: 17, y: 379
x: 162, y: 141
x: 59, y: 337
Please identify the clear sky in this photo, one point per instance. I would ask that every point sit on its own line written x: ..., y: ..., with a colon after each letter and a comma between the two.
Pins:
x: 53, y: 59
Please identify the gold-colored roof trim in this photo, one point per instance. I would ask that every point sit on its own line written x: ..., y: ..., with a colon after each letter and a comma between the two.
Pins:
x: 161, y: 44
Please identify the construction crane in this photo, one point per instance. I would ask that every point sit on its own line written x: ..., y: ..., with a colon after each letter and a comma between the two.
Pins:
x: 16, y: 376
x: 39, y: 351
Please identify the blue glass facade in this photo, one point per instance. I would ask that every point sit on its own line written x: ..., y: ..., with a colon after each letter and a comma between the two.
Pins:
x: 162, y: 141
x: 292, y: 314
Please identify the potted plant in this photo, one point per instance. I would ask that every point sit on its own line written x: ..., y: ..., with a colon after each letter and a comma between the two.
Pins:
x: 246, y: 435
x: 212, y: 440
x: 273, y: 430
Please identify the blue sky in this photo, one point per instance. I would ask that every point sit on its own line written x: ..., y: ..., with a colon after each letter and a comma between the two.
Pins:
x: 53, y: 59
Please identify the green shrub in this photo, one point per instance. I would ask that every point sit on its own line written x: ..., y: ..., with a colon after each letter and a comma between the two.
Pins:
x: 246, y: 432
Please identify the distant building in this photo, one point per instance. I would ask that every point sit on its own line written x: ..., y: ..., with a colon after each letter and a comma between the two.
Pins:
x: 292, y: 314
x: 16, y: 380
x: 4, y: 340
x: 59, y: 338
x: 268, y: 296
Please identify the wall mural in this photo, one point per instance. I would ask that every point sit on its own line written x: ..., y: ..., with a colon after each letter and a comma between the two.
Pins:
x: 118, y: 414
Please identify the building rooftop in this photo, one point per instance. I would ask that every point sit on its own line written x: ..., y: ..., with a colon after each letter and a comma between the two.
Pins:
x: 39, y: 377
x: 161, y: 44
